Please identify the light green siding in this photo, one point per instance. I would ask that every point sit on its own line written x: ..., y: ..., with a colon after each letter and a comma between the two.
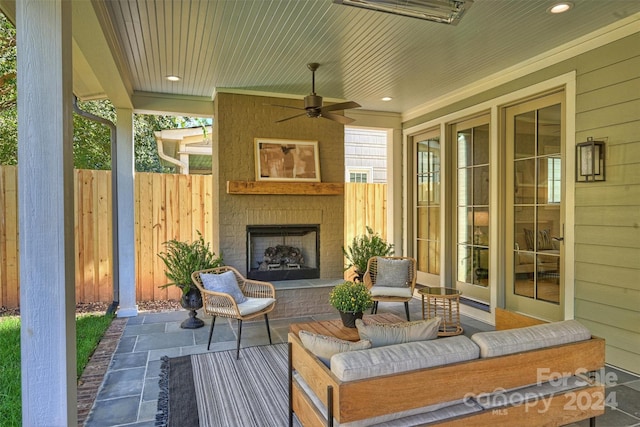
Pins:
x: 607, y: 214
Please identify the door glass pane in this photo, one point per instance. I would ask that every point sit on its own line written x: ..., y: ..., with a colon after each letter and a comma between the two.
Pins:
x: 525, y: 175
x: 465, y: 184
x: 481, y: 145
x: 428, y: 201
x: 549, y: 137
x: 480, y: 181
x: 525, y: 144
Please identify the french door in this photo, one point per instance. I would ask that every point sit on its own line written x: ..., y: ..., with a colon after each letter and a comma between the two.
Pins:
x: 535, y: 210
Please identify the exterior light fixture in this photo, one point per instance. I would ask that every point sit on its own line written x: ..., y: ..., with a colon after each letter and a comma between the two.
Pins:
x: 173, y: 78
x: 560, y: 7
x: 590, y: 161
x: 386, y: 98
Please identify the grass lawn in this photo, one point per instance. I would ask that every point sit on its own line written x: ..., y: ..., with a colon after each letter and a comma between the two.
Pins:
x: 89, y: 330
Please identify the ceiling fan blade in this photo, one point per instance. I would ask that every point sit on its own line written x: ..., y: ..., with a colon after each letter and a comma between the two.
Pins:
x: 337, y: 118
x: 341, y: 106
x: 289, y: 118
x: 284, y: 106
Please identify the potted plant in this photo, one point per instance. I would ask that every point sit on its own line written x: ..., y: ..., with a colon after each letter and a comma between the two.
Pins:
x: 350, y: 299
x: 181, y: 259
x: 364, y: 247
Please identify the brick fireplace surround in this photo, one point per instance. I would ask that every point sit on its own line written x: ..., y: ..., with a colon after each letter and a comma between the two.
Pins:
x: 238, y: 120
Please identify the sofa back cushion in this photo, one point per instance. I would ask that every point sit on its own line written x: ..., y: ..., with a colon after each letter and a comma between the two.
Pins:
x: 499, y: 343
x: 405, y: 357
x: 323, y: 347
x: 381, y: 334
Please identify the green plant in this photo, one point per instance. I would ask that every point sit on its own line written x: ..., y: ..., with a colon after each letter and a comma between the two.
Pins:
x: 182, y: 258
x: 350, y: 297
x: 364, y: 247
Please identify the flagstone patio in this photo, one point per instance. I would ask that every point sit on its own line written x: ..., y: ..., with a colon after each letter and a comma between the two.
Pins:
x: 126, y: 391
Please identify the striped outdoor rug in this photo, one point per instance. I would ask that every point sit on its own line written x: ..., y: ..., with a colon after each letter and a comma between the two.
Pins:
x: 214, y: 389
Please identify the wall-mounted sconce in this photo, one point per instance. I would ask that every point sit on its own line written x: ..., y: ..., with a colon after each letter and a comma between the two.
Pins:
x: 590, y: 161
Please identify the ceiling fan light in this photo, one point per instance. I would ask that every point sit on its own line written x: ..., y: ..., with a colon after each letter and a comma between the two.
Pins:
x: 443, y: 11
x: 386, y: 98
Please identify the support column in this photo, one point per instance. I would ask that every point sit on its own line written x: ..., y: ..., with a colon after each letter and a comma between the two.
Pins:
x: 125, y: 207
x: 45, y: 205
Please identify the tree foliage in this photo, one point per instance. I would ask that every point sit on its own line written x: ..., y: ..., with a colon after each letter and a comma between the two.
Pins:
x: 91, y: 140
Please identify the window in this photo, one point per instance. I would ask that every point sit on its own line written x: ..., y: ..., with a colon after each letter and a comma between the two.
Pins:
x: 358, y: 176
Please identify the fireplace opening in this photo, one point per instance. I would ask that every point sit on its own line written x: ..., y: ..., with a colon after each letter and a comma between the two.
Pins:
x: 283, y: 252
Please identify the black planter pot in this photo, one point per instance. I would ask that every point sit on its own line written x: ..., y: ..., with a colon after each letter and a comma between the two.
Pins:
x: 192, y: 301
x: 349, y: 319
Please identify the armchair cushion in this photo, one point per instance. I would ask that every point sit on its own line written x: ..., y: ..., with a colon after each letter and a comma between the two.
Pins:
x: 252, y: 305
x: 225, y: 283
x: 382, y: 334
x: 392, y: 273
x: 323, y: 347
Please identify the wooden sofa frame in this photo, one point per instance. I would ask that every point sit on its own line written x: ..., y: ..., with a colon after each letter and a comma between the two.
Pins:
x: 355, y: 400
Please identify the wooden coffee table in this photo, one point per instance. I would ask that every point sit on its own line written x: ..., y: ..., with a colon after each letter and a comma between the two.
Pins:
x: 335, y: 328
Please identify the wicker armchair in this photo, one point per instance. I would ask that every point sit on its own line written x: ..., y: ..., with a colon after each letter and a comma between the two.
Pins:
x: 261, y: 299
x: 401, y: 291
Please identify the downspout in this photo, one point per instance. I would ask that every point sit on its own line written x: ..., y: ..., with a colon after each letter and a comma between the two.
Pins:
x: 181, y: 166
x: 114, y: 200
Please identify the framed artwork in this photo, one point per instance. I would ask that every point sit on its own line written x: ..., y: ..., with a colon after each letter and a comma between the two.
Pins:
x: 287, y: 160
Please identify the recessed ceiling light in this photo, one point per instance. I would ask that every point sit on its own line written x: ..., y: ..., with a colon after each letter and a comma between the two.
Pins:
x: 173, y: 78
x: 560, y: 7
x: 386, y: 98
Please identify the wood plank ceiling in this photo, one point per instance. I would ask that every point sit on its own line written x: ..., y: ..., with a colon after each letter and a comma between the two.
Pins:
x: 264, y: 45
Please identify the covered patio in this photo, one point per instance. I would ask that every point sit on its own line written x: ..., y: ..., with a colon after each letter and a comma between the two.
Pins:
x: 234, y: 61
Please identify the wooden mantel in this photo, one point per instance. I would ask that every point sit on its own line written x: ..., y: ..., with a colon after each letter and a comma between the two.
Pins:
x: 290, y: 188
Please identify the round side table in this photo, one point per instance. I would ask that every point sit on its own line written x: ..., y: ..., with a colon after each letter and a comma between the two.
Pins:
x: 443, y: 303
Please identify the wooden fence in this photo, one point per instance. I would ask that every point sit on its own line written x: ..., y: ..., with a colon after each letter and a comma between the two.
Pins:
x: 166, y: 207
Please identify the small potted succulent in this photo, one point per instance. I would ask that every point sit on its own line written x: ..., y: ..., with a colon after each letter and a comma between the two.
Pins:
x: 181, y: 259
x: 350, y: 299
x: 364, y: 247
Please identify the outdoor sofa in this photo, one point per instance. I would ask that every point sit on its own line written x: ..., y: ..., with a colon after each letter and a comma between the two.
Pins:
x: 517, y: 375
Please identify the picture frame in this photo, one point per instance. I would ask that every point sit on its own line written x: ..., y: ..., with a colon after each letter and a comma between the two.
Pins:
x: 287, y: 160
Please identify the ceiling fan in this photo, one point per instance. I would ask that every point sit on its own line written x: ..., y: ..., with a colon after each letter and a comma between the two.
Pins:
x: 313, y: 104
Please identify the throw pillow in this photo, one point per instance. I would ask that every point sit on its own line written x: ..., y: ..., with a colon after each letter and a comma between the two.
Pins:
x: 528, y: 237
x: 323, y: 347
x: 392, y: 273
x: 545, y: 241
x: 382, y: 334
x: 225, y: 283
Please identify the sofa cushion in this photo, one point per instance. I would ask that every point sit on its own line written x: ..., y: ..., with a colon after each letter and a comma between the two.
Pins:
x: 381, y: 334
x: 498, y: 343
x: 323, y: 347
x: 392, y: 273
x: 405, y: 357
